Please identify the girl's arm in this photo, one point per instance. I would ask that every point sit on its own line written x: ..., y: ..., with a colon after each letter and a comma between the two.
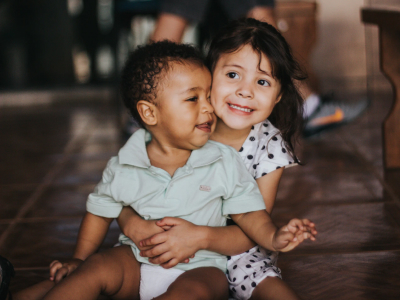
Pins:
x: 259, y: 227
x: 91, y: 234
x: 268, y: 186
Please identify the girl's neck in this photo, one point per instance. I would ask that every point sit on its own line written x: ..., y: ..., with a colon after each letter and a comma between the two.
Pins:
x: 228, y: 136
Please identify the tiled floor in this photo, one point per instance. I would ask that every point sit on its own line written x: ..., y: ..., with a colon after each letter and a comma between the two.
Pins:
x: 52, y: 157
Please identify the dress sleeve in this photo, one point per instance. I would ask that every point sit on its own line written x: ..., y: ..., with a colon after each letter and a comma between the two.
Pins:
x: 101, y: 202
x: 272, y: 155
x: 244, y: 195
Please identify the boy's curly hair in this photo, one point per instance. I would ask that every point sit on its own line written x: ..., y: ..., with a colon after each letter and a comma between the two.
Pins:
x: 147, y: 66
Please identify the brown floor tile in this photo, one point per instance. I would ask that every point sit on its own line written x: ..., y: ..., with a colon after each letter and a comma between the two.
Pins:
x: 359, y: 276
x: 11, y: 199
x: 33, y: 245
x: 81, y: 171
x: 299, y: 187
x: 345, y: 228
x: 64, y: 201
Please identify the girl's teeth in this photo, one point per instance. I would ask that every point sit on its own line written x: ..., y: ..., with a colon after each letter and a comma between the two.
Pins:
x: 240, y: 108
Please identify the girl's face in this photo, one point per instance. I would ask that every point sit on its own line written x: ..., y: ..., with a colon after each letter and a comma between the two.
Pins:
x: 244, y: 92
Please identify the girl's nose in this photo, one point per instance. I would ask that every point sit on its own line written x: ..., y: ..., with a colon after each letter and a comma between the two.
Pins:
x: 245, y: 90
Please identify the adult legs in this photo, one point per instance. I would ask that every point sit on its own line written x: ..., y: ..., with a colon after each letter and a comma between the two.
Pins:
x: 206, y: 283
x: 273, y: 288
x: 114, y: 272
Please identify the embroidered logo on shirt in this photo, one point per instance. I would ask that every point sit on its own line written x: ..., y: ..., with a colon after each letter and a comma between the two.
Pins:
x: 205, y: 188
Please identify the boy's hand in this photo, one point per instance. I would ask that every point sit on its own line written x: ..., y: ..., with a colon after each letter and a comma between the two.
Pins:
x: 173, y: 246
x: 291, y: 235
x: 59, y: 270
x: 143, y: 230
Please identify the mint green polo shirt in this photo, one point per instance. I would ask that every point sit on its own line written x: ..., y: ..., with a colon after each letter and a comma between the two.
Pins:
x: 213, y: 184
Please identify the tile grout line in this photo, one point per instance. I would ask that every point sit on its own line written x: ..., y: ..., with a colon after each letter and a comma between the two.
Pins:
x: 46, y: 182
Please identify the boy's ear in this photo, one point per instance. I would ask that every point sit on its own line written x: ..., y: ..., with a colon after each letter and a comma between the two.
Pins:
x: 147, y: 112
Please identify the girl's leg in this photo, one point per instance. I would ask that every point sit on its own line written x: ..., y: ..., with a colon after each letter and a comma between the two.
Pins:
x: 114, y: 272
x: 206, y: 283
x: 273, y: 288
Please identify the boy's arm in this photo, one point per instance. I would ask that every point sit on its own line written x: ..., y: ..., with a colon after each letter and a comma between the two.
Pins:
x: 91, y: 234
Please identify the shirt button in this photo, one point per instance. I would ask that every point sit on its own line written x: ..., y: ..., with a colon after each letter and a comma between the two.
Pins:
x: 171, y: 185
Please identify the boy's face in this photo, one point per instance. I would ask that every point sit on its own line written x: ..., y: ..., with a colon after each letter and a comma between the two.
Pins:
x: 244, y: 91
x: 185, y: 115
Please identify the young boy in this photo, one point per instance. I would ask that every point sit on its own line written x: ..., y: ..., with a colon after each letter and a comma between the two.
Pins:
x: 169, y: 169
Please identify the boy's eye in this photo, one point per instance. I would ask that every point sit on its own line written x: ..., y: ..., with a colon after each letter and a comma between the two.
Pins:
x: 192, y: 99
x: 233, y: 75
x: 263, y: 82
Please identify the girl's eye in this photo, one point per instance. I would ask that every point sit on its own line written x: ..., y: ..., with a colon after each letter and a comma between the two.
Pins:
x: 233, y: 75
x: 193, y: 99
x: 263, y: 82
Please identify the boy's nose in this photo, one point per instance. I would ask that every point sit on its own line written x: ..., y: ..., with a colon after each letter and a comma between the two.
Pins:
x: 207, y: 107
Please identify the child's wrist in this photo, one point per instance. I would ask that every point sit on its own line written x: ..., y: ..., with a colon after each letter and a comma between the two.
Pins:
x: 203, y: 233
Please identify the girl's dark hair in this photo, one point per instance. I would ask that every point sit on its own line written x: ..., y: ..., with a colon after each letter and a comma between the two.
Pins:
x: 287, y: 115
x: 147, y: 66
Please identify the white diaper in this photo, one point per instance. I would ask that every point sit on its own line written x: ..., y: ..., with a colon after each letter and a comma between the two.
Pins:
x: 155, y: 280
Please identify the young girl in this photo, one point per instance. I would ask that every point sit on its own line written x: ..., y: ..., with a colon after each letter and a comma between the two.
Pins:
x: 259, y: 112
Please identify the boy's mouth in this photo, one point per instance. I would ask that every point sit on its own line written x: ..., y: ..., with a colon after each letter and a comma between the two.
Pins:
x: 206, y: 126
x: 241, y: 108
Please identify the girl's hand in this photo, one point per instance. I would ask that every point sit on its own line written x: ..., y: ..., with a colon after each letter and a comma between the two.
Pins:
x: 175, y: 245
x: 58, y: 270
x: 291, y: 235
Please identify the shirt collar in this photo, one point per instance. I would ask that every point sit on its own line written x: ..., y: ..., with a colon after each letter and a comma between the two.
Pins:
x: 134, y: 152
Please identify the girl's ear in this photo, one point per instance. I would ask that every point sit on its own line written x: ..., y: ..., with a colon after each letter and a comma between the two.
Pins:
x: 147, y: 112
x: 278, y: 99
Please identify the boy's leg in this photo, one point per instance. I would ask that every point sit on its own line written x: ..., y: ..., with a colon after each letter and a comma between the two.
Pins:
x: 34, y: 292
x: 114, y: 272
x: 206, y: 283
x: 273, y: 288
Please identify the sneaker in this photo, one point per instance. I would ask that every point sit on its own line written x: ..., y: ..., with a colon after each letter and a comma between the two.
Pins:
x: 331, y: 114
x: 6, y: 272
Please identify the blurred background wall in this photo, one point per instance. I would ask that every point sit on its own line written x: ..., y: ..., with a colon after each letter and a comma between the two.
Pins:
x: 53, y: 43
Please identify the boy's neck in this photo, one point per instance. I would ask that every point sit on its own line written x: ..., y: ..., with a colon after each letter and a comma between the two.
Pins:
x: 165, y: 156
x: 228, y: 136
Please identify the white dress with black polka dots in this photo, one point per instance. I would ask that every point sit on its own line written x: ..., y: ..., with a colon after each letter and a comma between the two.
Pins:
x: 263, y: 152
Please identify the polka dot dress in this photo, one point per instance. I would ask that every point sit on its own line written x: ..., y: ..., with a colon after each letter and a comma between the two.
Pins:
x: 262, y: 152
x: 247, y: 270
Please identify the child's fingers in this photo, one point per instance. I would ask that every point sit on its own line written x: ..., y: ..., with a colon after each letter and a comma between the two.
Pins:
x: 169, y: 264
x: 162, y: 259
x: 54, y: 266
x: 61, y: 273
x: 154, y: 240
x: 307, y: 222
x: 294, y: 225
x: 168, y: 221
x: 155, y: 251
